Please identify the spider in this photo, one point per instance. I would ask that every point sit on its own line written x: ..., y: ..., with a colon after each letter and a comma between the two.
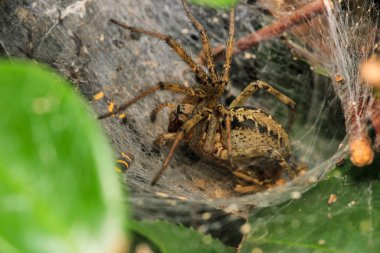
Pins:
x: 232, y: 136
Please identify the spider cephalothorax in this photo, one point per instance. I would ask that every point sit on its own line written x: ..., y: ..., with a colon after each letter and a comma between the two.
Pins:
x: 232, y: 136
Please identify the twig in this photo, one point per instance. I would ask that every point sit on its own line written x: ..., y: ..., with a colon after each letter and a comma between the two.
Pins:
x: 375, y: 120
x: 275, y: 29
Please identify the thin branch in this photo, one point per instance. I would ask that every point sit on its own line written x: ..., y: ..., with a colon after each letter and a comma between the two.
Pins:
x: 374, y: 114
x: 275, y: 29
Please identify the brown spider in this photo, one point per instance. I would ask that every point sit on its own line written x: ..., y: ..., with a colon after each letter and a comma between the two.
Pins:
x: 231, y: 136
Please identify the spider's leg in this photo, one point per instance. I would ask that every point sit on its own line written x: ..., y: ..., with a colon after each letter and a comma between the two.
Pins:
x: 205, y: 42
x: 155, y: 111
x: 272, y: 154
x: 229, y: 142
x: 185, y: 129
x: 227, y: 116
x: 255, y: 86
x: 248, y: 188
x: 229, y: 49
x: 275, y: 155
x: 178, y: 49
x: 174, y: 87
x: 212, y: 127
x: 255, y: 183
x: 163, y: 138
x: 242, y: 175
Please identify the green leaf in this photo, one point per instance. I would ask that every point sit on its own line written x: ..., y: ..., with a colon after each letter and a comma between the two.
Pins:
x: 171, y: 238
x: 311, y: 224
x: 58, y: 190
x: 215, y: 3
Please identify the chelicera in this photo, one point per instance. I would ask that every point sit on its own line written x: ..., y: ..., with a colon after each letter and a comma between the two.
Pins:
x: 231, y: 136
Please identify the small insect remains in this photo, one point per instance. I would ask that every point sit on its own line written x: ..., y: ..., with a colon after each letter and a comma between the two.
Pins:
x: 231, y: 136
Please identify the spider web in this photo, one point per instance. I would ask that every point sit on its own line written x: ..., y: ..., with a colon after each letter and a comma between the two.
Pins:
x: 75, y: 37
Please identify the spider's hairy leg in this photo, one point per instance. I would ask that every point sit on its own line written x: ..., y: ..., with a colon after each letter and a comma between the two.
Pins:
x: 275, y: 155
x: 162, y: 139
x: 178, y: 49
x: 222, y: 84
x: 272, y: 154
x: 255, y: 86
x: 155, y: 111
x: 249, y: 188
x: 195, y: 142
x: 205, y: 42
x: 229, y: 49
x: 185, y: 129
x: 242, y: 175
x: 174, y: 87
x: 229, y: 142
x: 212, y: 127
x: 227, y: 117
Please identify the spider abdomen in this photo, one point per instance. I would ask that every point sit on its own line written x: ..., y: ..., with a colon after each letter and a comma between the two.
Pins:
x: 254, y: 133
